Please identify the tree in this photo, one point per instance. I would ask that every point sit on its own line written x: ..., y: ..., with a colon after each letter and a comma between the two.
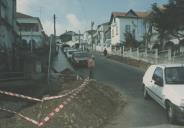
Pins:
x: 168, y: 20
x: 130, y: 40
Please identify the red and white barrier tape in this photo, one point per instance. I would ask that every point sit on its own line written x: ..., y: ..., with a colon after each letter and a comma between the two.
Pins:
x: 22, y: 116
x: 20, y: 96
x: 36, y: 99
x: 56, y: 110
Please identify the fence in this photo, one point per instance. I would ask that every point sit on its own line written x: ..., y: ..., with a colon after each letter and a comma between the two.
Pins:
x: 12, y: 76
x: 153, y: 56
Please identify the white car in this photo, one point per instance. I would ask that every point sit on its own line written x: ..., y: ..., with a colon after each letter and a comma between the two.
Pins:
x: 165, y: 84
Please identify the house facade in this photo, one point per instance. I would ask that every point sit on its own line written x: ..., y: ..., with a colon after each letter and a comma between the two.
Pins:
x: 127, y: 22
x: 8, y: 31
x: 102, y: 33
x: 88, y: 36
x: 30, y: 30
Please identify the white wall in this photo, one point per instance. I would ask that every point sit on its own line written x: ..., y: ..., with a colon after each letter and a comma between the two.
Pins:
x: 115, y: 38
x: 87, y: 38
x: 137, y: 24
x: 101, y: 31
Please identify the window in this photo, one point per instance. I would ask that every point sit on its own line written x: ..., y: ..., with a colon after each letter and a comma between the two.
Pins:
x: 3, y: 12
x: 127, y: 28
x: 158, y: 76
x: 133, y: 33
x: 112, y: 31
x: 174, y: 75
x: 3, y: 8
x: 159, y: 72
x: 117, y: 30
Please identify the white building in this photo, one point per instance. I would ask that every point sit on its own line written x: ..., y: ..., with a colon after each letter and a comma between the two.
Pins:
x: 88, y: 36
x: 31, y: 30
x: 131, y: 21
x: 101, y: 31
x: 76, y: 37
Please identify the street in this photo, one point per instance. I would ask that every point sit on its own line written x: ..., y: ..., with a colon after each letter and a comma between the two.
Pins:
x: 128, y: 80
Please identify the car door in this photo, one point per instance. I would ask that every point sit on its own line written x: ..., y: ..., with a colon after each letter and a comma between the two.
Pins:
x: 147, y: 79
x: 158, y: 86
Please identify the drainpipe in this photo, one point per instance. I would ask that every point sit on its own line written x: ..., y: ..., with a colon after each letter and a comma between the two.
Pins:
x: 31, y: 40
x: 0, y: 9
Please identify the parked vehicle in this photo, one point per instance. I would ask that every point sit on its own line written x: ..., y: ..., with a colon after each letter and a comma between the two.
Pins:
x: 65, y: 49
x: 165, y: 84
x: 69, y: 53
x: 81, y: 58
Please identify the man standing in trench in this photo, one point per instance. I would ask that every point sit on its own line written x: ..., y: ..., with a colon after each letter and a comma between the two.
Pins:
x: 91, y: 66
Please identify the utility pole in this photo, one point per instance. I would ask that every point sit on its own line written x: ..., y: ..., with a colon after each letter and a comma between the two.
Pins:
x: 54, y: 28
x: 79, y: 39
x: 92, y: 25
x: 55, y: 47
x: 50, y: 50
x: 52, y: 40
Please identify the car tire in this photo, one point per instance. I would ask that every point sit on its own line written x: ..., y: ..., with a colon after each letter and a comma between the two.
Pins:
x: 171, y: 116
x: 145, y: 93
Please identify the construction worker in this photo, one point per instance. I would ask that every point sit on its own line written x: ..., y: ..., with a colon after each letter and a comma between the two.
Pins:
x: 91, y: 66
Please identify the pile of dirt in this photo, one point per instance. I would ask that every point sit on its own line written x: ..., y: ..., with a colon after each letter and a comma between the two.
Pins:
x: 92, y: 108
x: 137, y: 63
x: 67, y: 75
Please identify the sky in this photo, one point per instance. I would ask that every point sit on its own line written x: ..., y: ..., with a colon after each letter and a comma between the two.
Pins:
x: 76, y: 15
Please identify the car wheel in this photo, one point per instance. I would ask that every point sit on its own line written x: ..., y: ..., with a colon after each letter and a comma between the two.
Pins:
x: 145, y: 93
x: 171, y: 113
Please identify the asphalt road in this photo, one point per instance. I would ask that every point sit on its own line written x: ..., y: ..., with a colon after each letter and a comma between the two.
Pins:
x: 128, y: 80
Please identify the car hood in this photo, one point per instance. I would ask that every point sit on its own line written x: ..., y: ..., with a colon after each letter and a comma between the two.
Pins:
x: 177, y: 90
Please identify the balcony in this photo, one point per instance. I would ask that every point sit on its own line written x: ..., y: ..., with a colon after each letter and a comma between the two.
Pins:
x: 31, y: 33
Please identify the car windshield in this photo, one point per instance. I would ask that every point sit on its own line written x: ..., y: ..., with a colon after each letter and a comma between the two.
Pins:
x: 71, y: 52
x: 174, y: 75
x: 81, y: 55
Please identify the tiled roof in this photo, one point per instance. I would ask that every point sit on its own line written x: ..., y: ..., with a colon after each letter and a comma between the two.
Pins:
x: 129, y: 14
x: 142, y: 14
x: 118, y: 14
x: 91, y: 31
x: 21, y: 15
x: 124, y: 14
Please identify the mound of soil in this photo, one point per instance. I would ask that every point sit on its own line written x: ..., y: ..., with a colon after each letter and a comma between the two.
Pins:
x: 92, y: 108
x: 67, y: 75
